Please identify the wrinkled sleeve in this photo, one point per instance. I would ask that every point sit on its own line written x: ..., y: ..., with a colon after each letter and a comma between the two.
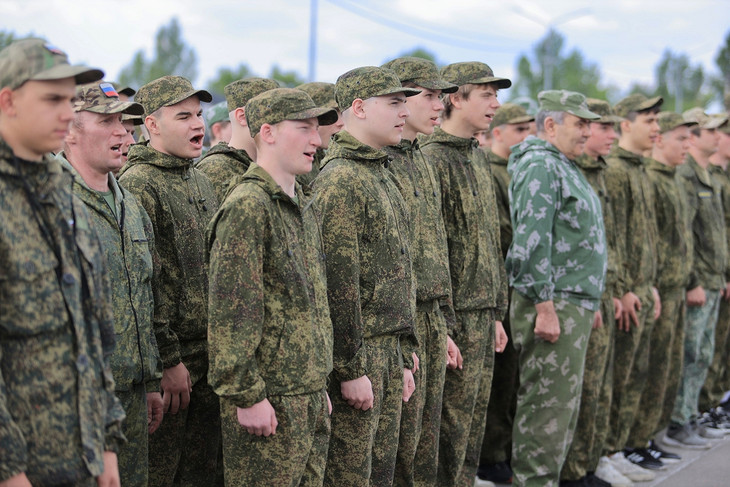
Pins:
x: 153, y: 382
x: 13, y: 449
x: 692, y: 206
x: 617, y: 186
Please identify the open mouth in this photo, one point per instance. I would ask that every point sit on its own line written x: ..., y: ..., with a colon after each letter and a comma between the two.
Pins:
x: 117, y: 148
x: 309, y: 155
x: 197, y: 140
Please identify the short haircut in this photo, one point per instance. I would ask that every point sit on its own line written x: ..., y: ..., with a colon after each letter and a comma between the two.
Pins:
x: 464, y: 91
x: 631, y: 116
x: 543, y: 115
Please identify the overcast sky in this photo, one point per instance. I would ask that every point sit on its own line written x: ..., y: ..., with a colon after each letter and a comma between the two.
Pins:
x: 625, y: 37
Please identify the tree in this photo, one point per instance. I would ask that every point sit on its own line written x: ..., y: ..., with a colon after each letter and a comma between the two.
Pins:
x: 287, y: 79
x: 171, y: 57
x: 680, y: 84
x: 723, y: 62
x: 226, y: 76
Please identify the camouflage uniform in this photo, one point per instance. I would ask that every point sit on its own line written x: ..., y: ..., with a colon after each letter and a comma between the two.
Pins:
x: 222, y: 163
x: 270, y: 340
x: 558, y: 253
x: 58, y: 412
x: 323, y: 95
x: 180, y: 201
x: 479, y: 290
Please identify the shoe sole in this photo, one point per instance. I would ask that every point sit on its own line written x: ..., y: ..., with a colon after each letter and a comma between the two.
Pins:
x: 672, y: 442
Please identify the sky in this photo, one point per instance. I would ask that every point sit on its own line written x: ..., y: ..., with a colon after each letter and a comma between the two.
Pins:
x: 626, y: 38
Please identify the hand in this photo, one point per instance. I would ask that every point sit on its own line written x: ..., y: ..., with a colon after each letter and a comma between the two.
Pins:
x: 329, y: 404
x: 597, y: 320
x: 547, y: 325
x: 618, y: 308
x: 500, y: 337
x: 696, y: 297
x: 657, y: 303
x: 409, y: 385
x: 110, y: 476
x: 154, y: 411
x: 631, y: 304
x: 416, y: 363
x: 176, y: 388
x: 19, y: 480
x: 259, y: 419
x: 726, y: 292
x: 453, y: 355
x: 358, y: 392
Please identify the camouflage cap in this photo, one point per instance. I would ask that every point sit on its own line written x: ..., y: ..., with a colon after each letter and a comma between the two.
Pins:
x: 704, y: 120
x: 366, y: 82
x: 603, y: 109
x: 168, y: 91
x: 124, y: 90
x: 136, y: 119
x: 509, y: 114
x: 421, y: 72
x: 565, y: 101
x: 36, y: 60
x: 474, y: 73
x: 669, y: 121
x: 239, y: 92
x: 637, y: 103
x: 103, y: 98
x: 323, y: 94
x: 217, y: 113
x: 279, y: 104
x: 530, y: 105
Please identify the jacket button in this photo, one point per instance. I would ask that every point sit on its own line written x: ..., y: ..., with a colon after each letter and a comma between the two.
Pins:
x: 68, y: 279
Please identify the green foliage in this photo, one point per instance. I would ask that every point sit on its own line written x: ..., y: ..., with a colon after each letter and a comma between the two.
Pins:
x: 226, y: 76
x: 287, y: 79
x: 682, y: 85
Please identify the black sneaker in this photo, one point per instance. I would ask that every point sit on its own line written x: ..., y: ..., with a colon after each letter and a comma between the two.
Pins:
x: 662, y: 455
x: 581, y: 482
x: 593, y: 481
x: 642, y: 458
x: 499, y: 473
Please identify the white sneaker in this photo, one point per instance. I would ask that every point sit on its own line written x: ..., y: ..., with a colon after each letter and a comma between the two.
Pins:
x: 629, y: 470
x: 608, y: 473
x: 483, y: 483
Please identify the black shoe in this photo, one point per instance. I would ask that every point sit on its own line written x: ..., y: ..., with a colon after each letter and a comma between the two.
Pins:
x: 581, y: 482
x: 662, y: 455
x: 642, y: 458
x: 593, y: 481
x: 499, y: 473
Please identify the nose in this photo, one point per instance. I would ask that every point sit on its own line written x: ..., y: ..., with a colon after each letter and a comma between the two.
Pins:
x: 405, y: 113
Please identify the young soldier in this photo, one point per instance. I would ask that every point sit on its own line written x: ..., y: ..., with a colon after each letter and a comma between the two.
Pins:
x: 510, y: 126
x: 370, y: 285
x: 60, y: 423
x: 219, y: 124
x: 224, y: 162
x: 92, y: 152
x: 476, y: 266
x: 270, y: 331
x: 180, y: 201
x: 129, y: 122
x: 557, y: 266
x: 421, y: 417
x: 323, y: 95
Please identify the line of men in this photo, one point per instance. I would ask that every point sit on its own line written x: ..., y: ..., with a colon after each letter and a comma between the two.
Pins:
x: 318, y: 301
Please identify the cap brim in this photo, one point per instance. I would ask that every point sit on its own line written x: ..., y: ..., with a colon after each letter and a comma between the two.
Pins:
x: 651, y: 103
x: 137, y: 120
x: 683, y: 124
x: 501, y: 83
x: 523, y: 119
x: 324, y: 115
x: 585, y: 114
x: 431, y: 84
x: 127, y: 91
x: 716, y: 123
x: 202, y: 95
x: 81, y: 74
x: 406, y: 91
x: 610, y: 119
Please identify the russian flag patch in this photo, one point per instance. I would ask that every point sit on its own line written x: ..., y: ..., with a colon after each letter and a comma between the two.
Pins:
x: 54, y: 50
x: 108, y: 90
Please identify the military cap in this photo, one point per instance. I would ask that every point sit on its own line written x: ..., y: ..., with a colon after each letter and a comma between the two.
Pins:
x: 136, y: 119
x: 530, y: 105
x: 704, y: 120
x: 36, y: 60
x: 636, y: 103
x: 474, y: 73
x: 168, y: 91
x: 669, y: 121
x: 509, y: 114
x: 603, y: 109
x: 421, y: 72
x: 366, y: 82
x: 239, y: 92
x: 218, y: 113
x: 103, y: 98
x: 124, y: 90
x: 565, y: 101
x: 279, y: 104
x: 323, y: 94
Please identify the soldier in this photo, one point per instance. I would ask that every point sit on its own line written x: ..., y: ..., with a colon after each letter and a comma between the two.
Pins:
x: 224, y: 162
x: 707, y: 280
x: 370, y: 285
x: 478, y: 281
x: 271, y: 344
x: 421, y: 416
x: 323, y: 95
x: 557, y: 265
x: 180, y: 201
x: 219, y: 124
x: 92, y: 151
x: 130, y: 123
x: 509, y: 127
x: 60, y: 423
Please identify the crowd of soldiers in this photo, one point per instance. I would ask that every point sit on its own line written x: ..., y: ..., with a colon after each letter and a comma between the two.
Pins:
x: 389, y: 280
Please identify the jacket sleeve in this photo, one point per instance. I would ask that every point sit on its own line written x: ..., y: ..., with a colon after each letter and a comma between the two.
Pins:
x: 152, y: 384
x: 13, y: 450
x: 617, y: 186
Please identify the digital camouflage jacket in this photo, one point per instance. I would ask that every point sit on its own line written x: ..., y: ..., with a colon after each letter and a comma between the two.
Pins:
x: 222, y: 163
x: 720, y: 175
x: 500, y: 176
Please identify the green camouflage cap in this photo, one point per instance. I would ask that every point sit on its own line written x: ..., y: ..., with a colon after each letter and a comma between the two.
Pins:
x: 103, y: 98
x: 366, y: 82
x: 421, y: 72
x: 636, y: 103
x: 725, y: 127
x: 473, y: 73
x: 603, y: 109
x: 669, y: 121
x: 704, y: 120
x: 509, y: 114
x: 36, y: 60
x: 124, y: 90
x: 168, y: 91
x: 323, y: 94
x: 218, y: 113
x: 279, y: 104
x: 239, y: 92
x: 136, y: 119
x: 565, y: 101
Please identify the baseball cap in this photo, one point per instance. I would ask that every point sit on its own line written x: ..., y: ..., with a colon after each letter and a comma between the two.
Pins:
x: 366, y: 82
x: 421, y: 72
x: 509, y: 113
x: 603, y: 109
x: 474, y: 73
x: 37, y: 60
x: 239, y: 92
x: 565, y: 101
x: 704, y: 120
x: 101, y: 97
x: 124, y: 90
x: 669, y: 121
x: 167, y: 91
x: 218, y: 113
x: 636, y: 103
x: 323, y: 94
x: 136, y: 119
x: 277, y: 105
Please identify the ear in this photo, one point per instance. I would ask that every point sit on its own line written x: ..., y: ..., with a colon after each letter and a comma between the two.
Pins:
x: 152, y: 124
x: 358, y: 108
x: 456, y: 100
x: 239, y: 115
x: 497, y: 133
x: 550, y: 126
x: 216, y: 130
x: 267, y: 134
x: 625, y: 126
x: 7, y: 105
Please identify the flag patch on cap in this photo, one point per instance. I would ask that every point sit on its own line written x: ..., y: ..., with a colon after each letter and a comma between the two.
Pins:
x: 53, y: 49
x: 108, y: 90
